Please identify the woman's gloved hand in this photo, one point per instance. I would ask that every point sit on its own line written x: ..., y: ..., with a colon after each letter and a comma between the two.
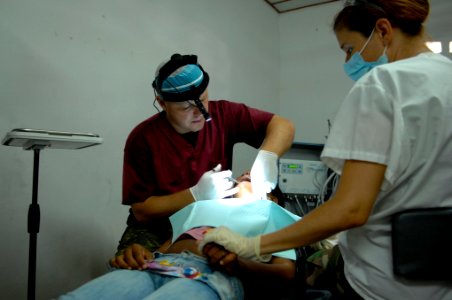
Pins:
x: 242, y: 246
x: 264, y: 173
x: 214, y: 184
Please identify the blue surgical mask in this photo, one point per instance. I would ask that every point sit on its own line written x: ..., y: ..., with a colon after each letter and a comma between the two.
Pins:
x: 356, y: 66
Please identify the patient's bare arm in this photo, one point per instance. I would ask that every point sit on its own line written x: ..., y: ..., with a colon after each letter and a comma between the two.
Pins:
x: 271, y: 280
x: 277, y: 268
x: 135, y: 257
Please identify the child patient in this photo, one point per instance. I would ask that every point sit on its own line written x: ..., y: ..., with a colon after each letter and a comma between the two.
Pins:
x: 178, y: 270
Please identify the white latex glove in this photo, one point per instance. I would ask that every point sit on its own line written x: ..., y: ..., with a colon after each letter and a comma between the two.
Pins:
x: 214, y: 184
x: 246, y: 247
x: 264, y: 173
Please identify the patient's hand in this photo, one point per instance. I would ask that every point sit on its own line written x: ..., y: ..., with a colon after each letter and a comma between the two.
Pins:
x: 134, y: 256
x: 221, y: 258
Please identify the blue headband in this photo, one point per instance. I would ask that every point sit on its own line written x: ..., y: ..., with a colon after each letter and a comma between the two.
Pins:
x: 183, y: 79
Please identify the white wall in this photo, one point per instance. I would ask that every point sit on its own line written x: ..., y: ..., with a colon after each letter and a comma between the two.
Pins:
x: 439, y: 24
x: 87, y: 66
x: 313, y: 83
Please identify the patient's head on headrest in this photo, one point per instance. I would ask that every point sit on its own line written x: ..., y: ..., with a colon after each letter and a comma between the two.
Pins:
x: 245, y: 188
x: 245, y: 177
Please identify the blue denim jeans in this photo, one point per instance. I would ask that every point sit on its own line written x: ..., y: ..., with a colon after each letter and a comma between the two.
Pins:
x: 134, y: 284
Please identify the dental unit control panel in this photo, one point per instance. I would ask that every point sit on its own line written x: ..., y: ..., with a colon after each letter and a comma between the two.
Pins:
x: 303, y: 178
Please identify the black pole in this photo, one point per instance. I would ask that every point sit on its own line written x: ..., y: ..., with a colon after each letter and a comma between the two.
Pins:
x: 34, y: 217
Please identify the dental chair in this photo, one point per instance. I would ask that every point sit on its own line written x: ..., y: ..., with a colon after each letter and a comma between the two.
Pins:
x: 419, y: 238
x: 301, y: 290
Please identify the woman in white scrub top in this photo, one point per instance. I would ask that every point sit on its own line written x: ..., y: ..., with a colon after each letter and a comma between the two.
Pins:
x: 391, y: 142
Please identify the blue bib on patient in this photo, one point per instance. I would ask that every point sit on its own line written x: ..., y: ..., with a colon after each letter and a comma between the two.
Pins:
x: 247, y: 217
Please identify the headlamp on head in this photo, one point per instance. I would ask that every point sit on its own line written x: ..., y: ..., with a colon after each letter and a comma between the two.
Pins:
x: 182, y: 79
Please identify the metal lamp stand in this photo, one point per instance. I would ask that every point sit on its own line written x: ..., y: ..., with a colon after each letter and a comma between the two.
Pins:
x: 34, y: 217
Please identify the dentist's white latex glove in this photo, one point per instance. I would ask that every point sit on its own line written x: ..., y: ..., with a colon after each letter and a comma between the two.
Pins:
x: 214, y: 184
x: 264, y: 173
x: 246, y: 247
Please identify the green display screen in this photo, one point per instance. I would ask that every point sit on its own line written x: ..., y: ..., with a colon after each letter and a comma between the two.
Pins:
x: 292, y: 166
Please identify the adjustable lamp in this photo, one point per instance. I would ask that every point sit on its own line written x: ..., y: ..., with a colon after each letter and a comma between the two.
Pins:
x: 37, y: 140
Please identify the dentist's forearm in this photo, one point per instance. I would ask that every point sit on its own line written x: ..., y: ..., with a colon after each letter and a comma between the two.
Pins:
x: 161, y: 206
x: 280, y: 135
